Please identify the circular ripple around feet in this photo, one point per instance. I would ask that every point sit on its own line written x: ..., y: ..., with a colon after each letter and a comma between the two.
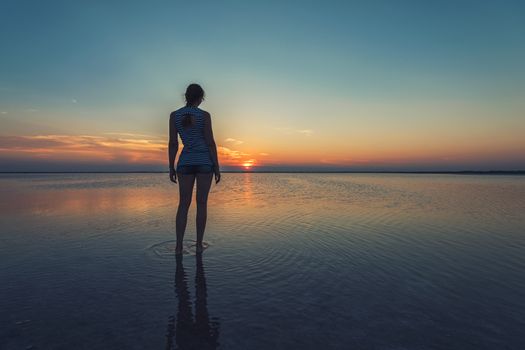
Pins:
x: 166, y: 250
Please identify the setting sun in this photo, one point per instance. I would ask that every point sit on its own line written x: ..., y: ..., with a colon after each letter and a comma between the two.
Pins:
x: 248, y: 164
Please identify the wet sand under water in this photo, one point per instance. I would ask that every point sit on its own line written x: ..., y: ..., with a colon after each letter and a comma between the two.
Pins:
x: 306, y: 261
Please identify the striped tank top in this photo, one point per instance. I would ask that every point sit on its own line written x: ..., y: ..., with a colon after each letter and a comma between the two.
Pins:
x: 195, y: 150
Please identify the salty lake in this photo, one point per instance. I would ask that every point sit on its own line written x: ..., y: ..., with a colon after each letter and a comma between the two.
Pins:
x: 294, y: 261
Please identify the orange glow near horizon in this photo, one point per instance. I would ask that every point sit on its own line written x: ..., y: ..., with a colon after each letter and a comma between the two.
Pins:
x: 103, y: 149
x: 143, y: 150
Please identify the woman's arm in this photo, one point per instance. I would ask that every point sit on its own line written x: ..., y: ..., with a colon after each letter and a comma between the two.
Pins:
x: 173, y: 147
x: 210, y: 141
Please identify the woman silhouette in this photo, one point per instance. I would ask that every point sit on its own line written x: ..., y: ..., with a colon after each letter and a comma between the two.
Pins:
x: 197, y: 161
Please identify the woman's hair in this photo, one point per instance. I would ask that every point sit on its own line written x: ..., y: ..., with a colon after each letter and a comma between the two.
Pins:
x: 194, y: 93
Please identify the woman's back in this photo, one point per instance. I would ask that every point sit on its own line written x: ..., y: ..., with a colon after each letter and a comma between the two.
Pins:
x: 197, y: 164
x: 196, y: 150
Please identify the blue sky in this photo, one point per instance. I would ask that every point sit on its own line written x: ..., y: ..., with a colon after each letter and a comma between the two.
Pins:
x: 378, y: 67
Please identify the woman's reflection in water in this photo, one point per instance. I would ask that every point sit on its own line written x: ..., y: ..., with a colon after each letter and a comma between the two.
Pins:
x: 190, y: 333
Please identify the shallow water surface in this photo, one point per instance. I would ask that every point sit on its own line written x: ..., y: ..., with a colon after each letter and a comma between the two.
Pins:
x: 294, y: 261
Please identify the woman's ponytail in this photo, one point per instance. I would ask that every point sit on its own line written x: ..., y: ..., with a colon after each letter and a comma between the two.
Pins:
x: 194, y: 93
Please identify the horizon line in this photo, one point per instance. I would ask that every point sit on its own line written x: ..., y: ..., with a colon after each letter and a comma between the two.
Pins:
x: 467, y: 172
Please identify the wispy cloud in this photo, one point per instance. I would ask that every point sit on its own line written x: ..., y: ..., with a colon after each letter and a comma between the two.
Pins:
x: 108, y: 147
x: 85, y: 147
x: 129, y: 134
x: 3, y: 112
x: 264, y: 154
x: 73, y: 100
x: 289, y: 131
x: 306, y: 132
x: 230, y: 154
x: 234, y: 141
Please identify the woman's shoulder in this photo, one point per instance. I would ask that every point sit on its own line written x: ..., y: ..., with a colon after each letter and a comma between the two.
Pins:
x: 204, y: 113
x: 179, y: 111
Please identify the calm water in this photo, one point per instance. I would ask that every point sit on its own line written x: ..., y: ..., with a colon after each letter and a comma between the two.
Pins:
x: 295, y: 261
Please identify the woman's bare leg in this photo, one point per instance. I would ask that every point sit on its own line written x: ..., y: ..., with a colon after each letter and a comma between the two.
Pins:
x: 203, y: 188
x: 186, y: 182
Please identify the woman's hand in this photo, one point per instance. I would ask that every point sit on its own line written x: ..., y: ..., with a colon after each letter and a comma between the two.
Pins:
x: 217, y: 175
x: 173, y: 175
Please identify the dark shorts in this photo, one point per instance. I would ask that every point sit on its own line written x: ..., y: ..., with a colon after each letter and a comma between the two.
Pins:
x: 194, y: 169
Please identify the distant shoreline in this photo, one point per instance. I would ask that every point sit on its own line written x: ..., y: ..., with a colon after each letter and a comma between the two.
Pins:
x: 490, y: 172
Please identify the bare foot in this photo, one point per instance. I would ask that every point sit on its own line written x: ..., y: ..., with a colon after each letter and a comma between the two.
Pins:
x: 199, y: 248
x: 178, y: 250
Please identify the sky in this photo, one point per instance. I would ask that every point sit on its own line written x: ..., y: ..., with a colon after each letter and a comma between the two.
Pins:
x: 290, y: 85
